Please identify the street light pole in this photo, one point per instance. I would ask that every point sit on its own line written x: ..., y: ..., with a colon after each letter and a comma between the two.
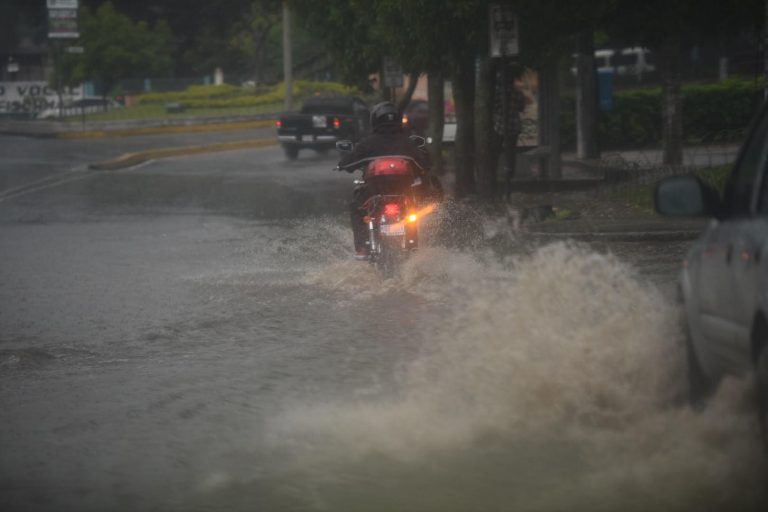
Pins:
x: 287, y: 64
x: 57, y: 67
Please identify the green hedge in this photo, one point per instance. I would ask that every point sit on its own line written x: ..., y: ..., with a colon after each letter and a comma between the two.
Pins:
x: 711, y: 113
x: 193, y: 92
x: 226, y: 96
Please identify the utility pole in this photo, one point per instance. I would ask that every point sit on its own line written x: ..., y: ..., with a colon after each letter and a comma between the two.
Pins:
x: 287, y: 64
x: 765, y: 50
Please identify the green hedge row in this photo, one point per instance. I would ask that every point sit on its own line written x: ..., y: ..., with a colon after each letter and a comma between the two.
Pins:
x: 711, y: 113
x: 224, y: 96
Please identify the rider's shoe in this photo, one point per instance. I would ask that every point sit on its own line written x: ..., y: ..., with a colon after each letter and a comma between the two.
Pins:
x: 363, y: 255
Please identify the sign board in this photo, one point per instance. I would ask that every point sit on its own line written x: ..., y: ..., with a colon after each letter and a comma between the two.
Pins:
x: 13, y: 67
x: 504, y: 31
x: 74, y: 49
x: 63, y: 4
x: 62, y: 24
x: 393, y: 73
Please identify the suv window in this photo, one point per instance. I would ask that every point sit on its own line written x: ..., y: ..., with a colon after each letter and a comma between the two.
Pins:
x: 740, y: 188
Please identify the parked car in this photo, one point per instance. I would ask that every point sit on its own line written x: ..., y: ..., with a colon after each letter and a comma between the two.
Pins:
x: 321, y: 122
x: 724, y: 280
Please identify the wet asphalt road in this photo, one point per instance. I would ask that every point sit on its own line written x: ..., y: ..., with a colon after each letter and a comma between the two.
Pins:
x: 192, y: 335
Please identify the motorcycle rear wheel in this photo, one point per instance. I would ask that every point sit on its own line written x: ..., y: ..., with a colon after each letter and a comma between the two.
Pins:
x: 390, y: 256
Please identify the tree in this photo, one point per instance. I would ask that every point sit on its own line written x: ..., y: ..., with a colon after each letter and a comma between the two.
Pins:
x: 117, y: 48
x: 439, y: 38
x: 255, y: 38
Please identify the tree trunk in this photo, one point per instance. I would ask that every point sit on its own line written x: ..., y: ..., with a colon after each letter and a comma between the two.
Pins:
x: 549, y: 117
x: 413, y: 79
x: 435, y: 90
x: 484, y: 137
x: 464, y: 98
x: 672, y: 111
x: 587, y: 134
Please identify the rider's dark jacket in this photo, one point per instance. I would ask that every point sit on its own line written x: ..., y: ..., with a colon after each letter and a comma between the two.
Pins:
x: 385, y: 141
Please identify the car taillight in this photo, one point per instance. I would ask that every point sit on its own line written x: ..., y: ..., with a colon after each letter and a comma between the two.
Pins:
x: 336, y: 123
x: 278, y: 123
x: 391, y: 210
x: 405, y: 119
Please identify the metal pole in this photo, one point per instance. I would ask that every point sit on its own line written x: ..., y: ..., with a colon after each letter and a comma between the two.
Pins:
x: 765, y: 50
x: 287, y: 64
x: 505, y: 150
x: 57, y: 65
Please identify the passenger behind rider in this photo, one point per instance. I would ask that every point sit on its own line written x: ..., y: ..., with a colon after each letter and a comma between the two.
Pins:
x: 387, y: 139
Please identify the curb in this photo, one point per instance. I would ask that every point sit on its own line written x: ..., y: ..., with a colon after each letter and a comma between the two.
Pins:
x: 628, y: 236
x: 53, y: 133
x: 159, y: 130
x: 132, y: 159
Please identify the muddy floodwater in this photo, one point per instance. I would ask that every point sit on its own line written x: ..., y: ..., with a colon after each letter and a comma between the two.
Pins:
x: 253, y: 366
x: 192, y: 335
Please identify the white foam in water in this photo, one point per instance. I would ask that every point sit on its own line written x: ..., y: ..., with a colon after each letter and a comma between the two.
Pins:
x: 556, y: 385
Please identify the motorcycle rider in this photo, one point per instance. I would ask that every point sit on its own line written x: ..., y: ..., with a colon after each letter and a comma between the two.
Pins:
x: 387, y: 139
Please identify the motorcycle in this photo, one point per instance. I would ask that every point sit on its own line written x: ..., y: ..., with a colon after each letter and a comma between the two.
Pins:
x: 394, y: 209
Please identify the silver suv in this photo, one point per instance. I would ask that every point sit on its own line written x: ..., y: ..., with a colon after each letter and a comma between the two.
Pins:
x: 724, y: 280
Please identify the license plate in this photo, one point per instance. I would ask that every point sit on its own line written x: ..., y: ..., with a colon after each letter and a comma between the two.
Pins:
x: 393, y: 230
x: 306, y: 138
x: 319, y: 121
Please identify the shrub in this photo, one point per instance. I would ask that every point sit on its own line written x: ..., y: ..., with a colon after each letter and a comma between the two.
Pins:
x: 230, y: 96
x: 711, y: 113
x: 193, y: 92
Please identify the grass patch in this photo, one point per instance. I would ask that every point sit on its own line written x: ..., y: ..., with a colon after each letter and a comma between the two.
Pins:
x: 155, y: 111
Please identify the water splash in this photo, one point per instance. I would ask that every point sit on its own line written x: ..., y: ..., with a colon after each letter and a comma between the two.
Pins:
x: 556, y: 385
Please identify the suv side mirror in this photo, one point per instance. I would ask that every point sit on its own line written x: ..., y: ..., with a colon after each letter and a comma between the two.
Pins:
x: 418, y: 141
x: 686, y: 196
x: 345, y: 146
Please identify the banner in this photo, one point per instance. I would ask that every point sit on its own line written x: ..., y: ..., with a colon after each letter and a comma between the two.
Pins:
x: 33, y: 97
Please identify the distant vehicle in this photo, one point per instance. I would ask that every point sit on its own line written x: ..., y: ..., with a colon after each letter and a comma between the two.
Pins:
x: 724, y: 280
x: 416, y: 117
x: 90, y: 105
x: 321, y: 122
x: 416, y: 121
x: 634, y: 61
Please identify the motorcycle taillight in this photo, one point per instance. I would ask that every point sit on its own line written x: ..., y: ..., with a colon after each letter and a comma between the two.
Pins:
x: 392, y: 211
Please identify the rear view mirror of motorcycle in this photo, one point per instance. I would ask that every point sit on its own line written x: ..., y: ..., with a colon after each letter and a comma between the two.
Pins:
x: 345, y: 146
x: 418, y: 141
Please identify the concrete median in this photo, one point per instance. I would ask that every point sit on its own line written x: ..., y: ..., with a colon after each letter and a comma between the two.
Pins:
x: 132, y: 159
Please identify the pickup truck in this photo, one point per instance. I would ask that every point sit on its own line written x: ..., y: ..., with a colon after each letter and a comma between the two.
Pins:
x: 321, y: 122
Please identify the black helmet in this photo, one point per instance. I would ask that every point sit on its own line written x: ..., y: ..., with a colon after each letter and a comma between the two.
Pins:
x: 385, y: 114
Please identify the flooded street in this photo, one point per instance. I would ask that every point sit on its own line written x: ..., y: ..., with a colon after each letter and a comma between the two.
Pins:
x: 194, y: 335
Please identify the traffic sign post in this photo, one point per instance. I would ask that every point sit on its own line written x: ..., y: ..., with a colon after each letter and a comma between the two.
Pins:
x: 393, y: 76
x: 504, y: 37
x: 62, y: 24
x: 62, y: 4
x: 503, y: 30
